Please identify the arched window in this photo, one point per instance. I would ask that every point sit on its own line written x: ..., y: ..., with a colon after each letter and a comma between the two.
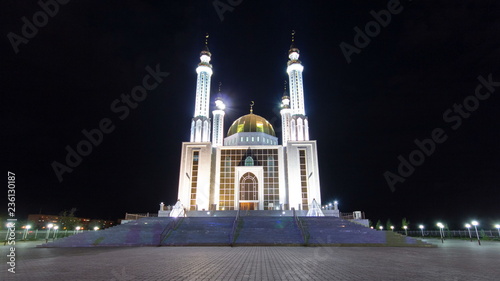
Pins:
x: 249, y: 161
x: 249, y: 187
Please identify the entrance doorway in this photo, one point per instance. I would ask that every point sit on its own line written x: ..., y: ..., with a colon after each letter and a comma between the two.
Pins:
x: 249, y: 206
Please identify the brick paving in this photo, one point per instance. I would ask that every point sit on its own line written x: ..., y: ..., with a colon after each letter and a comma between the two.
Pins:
x: 453, y: 261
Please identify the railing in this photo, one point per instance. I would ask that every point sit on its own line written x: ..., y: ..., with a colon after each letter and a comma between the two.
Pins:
x: 138, y: 216
x: 303, y: 232
x: 350, y: 216
x: 169, y: 228
x: 494, y: 234
x: 233, y: 230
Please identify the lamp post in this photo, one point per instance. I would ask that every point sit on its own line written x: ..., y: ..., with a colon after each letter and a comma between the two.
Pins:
x: 441, y: 226
x: 381, y: 228
x: 475, y: 224
x: 406, y: 230
x: 468, y: 228
x: 7, y: 236
x: 96, y: 228
x: 421, y: 229
x: 392, y: 228
x: 77, y: 230
x: 26, y: 229
x: 497, y: 226
x: 55, y: 231
x: 49, y: 226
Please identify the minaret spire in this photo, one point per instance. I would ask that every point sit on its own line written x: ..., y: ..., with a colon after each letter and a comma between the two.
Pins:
x: 251, y: 107
x: 286, y: 114
x: 299, y: 127
x: 218, y: 116
x: 200, y: 126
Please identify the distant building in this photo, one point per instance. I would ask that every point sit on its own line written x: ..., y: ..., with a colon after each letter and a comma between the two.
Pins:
x: 40, y: 221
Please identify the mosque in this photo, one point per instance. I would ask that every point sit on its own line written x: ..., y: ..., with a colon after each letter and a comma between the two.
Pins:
x: 248, y: 168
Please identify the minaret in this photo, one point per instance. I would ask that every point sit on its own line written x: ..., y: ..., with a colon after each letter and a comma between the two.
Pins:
x: 218, y: 125
x: 299, y: 127
x: 200, y: 126
x: 286, y: 114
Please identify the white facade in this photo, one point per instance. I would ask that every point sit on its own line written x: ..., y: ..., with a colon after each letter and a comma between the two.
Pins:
x: 248, y: 169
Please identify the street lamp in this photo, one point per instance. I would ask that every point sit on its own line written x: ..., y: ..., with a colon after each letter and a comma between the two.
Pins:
x: 421, y: 229
x: 49, y: 226
x: 96, y: 228
x: 77, y: 229
x: 497, y: 226
x: 406, y: 230
x: 441, y: 226
x: 381, y: 227
x: 7, y: 225
x: 468, y: 228
x: 392, y: 228
x: 55, y: 231
x: 475, y: 224
x: 26, y: 229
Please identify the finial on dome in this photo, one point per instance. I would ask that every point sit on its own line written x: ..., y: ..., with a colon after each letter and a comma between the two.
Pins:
x: 251, y: 107
x: 293, y: 40
x: 285, y: 86
x: 205, y: 48
x: 220, y: 85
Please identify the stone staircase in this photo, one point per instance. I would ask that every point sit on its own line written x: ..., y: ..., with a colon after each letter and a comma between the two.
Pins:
x: 142, y: 232
x: 267, y: 231
x: 335, y: 231
x: 249, y: 231
x: 200, y: 231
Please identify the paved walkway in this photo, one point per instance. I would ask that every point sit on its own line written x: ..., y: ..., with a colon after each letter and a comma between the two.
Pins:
x: 453, y: 261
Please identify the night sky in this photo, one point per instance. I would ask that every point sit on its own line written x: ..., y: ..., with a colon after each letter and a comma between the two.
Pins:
x: 410, y: 78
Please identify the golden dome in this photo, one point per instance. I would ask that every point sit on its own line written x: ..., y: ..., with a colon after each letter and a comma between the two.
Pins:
x: 251, y: 123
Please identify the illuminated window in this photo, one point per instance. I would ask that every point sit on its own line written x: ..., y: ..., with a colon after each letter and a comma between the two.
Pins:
x: 249, y: 161
x: 249, y: 187
x: 194, y: 179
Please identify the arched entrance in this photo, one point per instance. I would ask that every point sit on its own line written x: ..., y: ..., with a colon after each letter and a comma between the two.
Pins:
x: 249, y: 192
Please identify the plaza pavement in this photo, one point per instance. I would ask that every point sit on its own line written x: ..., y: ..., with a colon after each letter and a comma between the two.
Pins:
x: 454, y: 260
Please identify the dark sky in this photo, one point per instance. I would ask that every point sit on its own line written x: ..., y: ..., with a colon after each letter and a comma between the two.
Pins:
x: 364, y: 114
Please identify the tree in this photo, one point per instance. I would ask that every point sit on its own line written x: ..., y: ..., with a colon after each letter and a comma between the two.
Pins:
x: 378, y: 225
x: 405, y: 222
x: 388, y: 224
